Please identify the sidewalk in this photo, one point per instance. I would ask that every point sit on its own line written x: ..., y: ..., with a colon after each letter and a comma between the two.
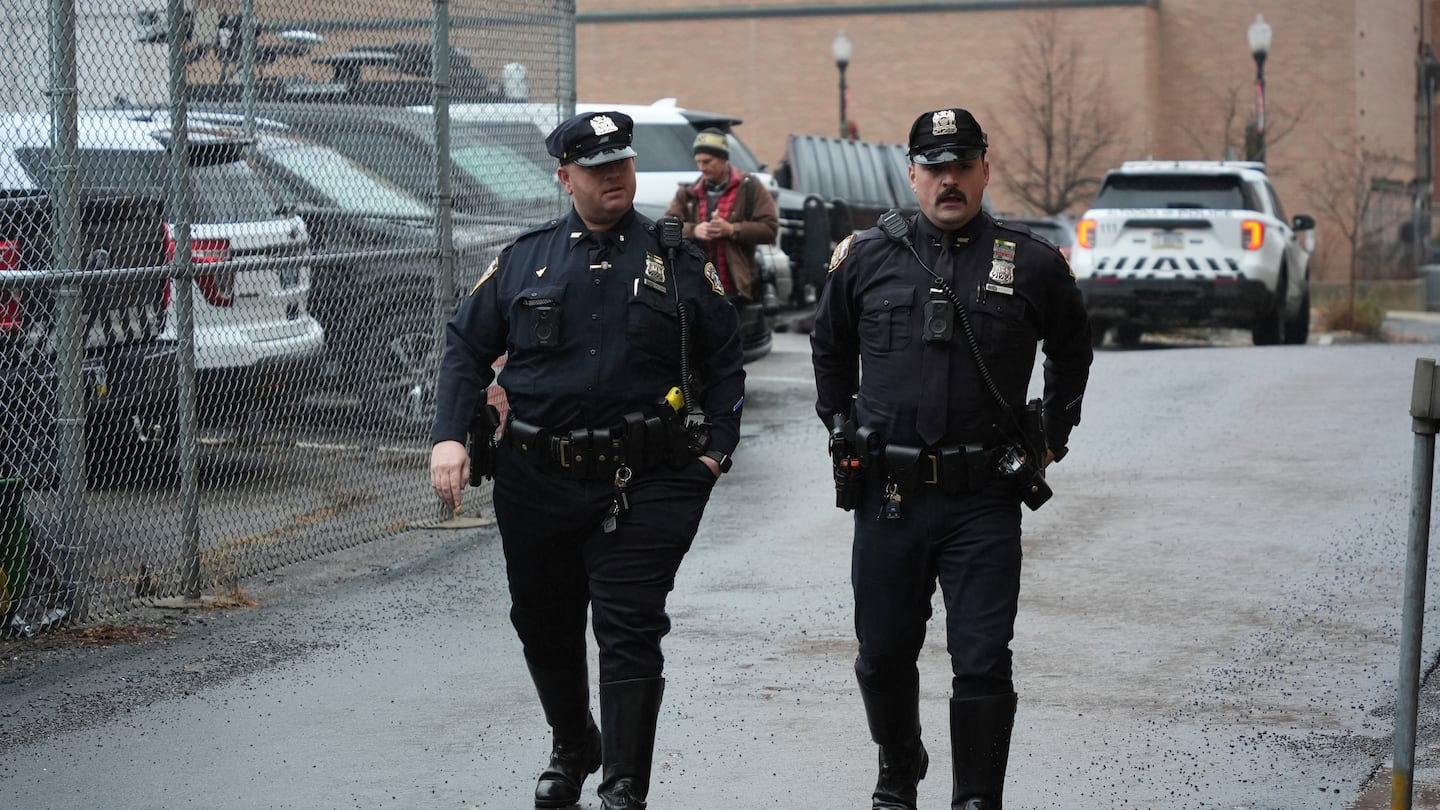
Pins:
x: 1407, y: 326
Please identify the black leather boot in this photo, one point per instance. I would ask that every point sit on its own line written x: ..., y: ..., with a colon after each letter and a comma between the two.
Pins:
x: 894, y: 719
x: 628, y: 713
x: 575, y: 752
x: 980, y: 747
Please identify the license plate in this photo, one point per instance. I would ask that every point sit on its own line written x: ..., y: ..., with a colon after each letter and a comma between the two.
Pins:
x: 1167, y: 240
x: 290, y: 277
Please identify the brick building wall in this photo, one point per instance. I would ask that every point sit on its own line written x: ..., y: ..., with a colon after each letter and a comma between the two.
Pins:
x: 1179, y: 74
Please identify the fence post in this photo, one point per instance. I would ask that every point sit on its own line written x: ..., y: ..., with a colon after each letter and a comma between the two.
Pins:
x: 69, y: 302
x: 1425, y: 415
x: 443, y: 301
x: 182, y: 272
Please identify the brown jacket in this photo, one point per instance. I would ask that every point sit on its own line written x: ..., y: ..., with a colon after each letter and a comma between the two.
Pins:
x: 754, y: 216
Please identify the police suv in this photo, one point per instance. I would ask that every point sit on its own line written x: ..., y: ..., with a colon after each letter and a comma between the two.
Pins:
x: 1171, y: 244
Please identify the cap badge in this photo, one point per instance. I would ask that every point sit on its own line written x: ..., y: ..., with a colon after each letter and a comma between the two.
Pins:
x: 603, y: 125
x: 943, y: 123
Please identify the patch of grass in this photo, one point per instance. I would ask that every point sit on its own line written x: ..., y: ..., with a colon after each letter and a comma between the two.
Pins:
x: 1365, y: 318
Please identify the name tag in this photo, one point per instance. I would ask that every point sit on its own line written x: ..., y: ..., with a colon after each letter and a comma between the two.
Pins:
x: 999, y: 289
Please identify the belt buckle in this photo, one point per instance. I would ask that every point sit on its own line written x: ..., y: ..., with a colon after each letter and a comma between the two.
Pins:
x: 934, y: 456
x: 563, y: 451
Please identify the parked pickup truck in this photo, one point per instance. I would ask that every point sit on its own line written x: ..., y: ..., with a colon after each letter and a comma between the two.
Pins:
x: 128, y: 372
x: 1171, y: 244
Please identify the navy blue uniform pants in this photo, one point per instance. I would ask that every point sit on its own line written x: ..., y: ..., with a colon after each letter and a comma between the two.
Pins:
x: 559, y: 561
x: 970, y: 545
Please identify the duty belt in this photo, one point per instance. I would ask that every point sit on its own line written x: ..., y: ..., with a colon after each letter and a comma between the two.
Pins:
x: 954, y: 469
x: 640, y: 442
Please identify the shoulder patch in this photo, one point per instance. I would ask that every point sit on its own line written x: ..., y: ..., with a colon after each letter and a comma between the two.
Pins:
x: 485, y: 276
x: 713, y: 276
x: 841, y: 252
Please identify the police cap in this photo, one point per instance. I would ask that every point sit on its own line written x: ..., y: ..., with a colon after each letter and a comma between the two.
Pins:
x: 945, y: 135
x: 592, y: 139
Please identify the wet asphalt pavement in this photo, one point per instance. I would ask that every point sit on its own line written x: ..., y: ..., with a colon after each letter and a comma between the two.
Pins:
x: 1209, y: 619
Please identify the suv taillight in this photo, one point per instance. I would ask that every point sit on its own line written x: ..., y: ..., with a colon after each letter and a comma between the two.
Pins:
x: 1252, y: 234
x: 12, y: 318
x: 217, y: 284
x: 1085, y: 233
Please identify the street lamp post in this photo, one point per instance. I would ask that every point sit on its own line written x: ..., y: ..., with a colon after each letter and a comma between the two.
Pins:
x: 841, y: 49
x: 1259, y: 36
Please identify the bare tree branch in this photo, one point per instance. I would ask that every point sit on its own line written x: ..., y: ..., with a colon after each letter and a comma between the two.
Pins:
x: 1068, y: 123
x: 1362, y: 198
x: 1228, y: 125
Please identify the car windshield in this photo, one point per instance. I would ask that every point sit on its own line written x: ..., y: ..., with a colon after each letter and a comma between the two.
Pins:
x: 222, y: 191
x: 349, y: 186
x: 669, y: 148
x: 506, y: 173
x: 504, y: 170
x: 1172, y: 191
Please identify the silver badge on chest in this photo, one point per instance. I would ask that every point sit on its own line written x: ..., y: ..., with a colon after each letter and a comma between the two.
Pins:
x: 654, y: 272
x: 1002, y: 262
x: 1002, y: 272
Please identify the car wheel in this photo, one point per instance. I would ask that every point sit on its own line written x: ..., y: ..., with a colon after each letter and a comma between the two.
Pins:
x: 1297, y: 330
x: 399, y: 374
x: 1270, y: 329
x: 136, y: 448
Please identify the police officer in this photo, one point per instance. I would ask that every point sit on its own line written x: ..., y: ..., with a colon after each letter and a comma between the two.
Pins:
x: 942, y: 462
x: 599, y: 482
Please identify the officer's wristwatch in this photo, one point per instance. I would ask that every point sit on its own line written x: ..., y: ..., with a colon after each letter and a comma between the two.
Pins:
x: 723, y: 459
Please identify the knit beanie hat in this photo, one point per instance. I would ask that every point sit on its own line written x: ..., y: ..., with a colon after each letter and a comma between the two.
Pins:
x: 712, y: 142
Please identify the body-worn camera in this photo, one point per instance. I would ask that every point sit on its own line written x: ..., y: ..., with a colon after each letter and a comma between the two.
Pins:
x: 939, y: 320
x: 545, y: 325
x: 1018, y: 463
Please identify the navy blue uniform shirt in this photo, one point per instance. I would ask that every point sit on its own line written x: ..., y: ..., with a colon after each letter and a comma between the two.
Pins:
x: 587, y: 346
x: 869, y: 333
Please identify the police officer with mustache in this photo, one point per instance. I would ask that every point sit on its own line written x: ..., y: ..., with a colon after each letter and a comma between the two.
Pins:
x: 939, y: 459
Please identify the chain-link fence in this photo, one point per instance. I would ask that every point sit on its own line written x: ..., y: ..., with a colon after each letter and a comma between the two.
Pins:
x: 231, y: 233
